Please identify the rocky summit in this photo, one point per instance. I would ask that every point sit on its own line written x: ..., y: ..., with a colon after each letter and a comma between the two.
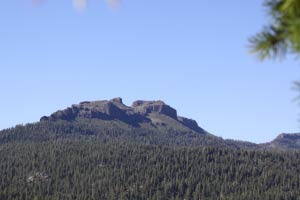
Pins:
x: 139, y: 112
x: 285, y: 141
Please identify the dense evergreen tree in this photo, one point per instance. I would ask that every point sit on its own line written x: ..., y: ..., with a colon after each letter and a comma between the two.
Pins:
x: 98, y: 160
x: 282, y: 35
x: 76, y: 169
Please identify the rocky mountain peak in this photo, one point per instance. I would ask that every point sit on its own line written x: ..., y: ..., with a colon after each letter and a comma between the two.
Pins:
x: 146, y: 107
x: 146, y: 103
x: 139, y: 112
x: 117, y: 100
x: 285, y: 140
x: 288, y: 136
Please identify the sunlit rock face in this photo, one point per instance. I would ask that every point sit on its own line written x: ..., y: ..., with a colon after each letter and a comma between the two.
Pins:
x: 146, y: 107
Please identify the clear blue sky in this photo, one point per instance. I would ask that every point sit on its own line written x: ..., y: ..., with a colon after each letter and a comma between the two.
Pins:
x: 192, y: 54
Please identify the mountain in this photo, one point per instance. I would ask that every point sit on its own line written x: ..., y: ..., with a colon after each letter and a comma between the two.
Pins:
x: 151, y: 112
x: 107, y: 150
x: 145, y: 122
x: 285, y: 141
x: 157, y: 114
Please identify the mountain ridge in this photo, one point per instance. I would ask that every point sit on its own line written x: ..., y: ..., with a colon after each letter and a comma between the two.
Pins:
x: 139, y: 112
x: 150, y: 122
x: 285, y: 141
x: 107, y: 150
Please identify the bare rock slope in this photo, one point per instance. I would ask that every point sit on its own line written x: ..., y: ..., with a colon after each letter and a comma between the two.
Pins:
x: 153, y: 112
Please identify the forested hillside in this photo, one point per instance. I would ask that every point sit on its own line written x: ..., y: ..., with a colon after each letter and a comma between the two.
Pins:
x: 105, y: 150
x: 104, y: 131
x: 77, y: 169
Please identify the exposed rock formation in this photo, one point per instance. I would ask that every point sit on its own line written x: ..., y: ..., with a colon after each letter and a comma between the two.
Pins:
x: 285, y: 141
x: 38, y: 176
x: 115, y: 109
x: 146, y: 107
x: 106, y: 110
x: 192, y: 124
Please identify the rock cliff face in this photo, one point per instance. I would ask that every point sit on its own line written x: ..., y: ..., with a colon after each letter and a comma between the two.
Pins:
x: 105, y: 110
x: 146, y: 107
x: 192, y: 124
x: 115, y: 109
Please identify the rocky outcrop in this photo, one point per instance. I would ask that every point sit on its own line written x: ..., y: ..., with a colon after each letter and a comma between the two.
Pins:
x: 285, y: 141
x: 115, y: 109
x: 192, y: 124
x: 106, y: 110
x: 38, y: 177
x: 146, y: 107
